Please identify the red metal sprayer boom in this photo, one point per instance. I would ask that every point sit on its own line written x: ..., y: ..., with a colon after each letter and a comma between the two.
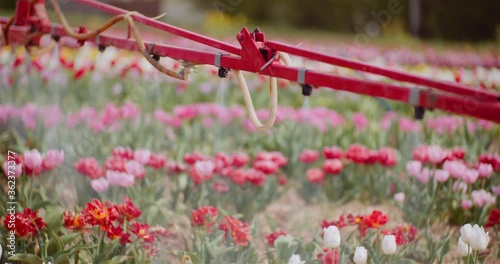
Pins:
x: 256, y: 55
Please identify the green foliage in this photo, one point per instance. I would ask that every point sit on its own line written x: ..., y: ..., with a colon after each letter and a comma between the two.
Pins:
x: 8, y: 4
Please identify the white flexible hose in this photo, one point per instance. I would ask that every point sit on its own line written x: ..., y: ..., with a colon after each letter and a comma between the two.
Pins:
x: 285, y: 58
x: 273, y: 90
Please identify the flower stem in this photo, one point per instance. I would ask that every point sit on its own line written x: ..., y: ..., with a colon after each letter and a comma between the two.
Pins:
x: 30, y: 194
x: 468, y: 254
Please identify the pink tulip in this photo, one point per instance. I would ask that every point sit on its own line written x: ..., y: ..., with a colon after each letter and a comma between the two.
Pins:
x: 240, y: 159
x: 459, y: 186
x: 387, y: 120
x: 496, y: 189
x: 332, y: 166
x: 360, y: 121
x: 142, y: 156
x: 55, y: 156
x: 408, y: 125
x: 470, y: 176
x: 111, y: 114
x: 51, y: 115
x: 130, y: 111
x: 28, y: 115
x: 16, y: 171
x: 255, y: 177
x: 266, y: 166
x: 308, y: 156
x: 487, y: 125
x: 220, y: 186
x: 125, y: 153
x: 482, y: 198
x: 116, y: 178
x: 423, y: 176
x: 6, y: 111
x: 278, y: 158
x: 223, y: 116
x: 436, y: 154
x: 441, y: 175
x: 167, y: 119
x: 127, y: 180
x: 33, y: 159
x: 333, y: 152
x: 413, y: 167
x: 466, y: 204
x: 99, y: 185
x: 204, y: 168
x: 135, y: 168
x: 399, y: 197
x: 52, y: 159
x: 456, y: 168
x: 96, y: 126
x: 185, y: 111
x: 315, y: 175
x: 485, y: 170
x: 420, y: 153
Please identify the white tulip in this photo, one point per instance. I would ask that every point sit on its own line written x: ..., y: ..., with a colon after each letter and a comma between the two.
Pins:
x: 1, y: 251
x: 463, y: 250
x: 360, y: 255
x: 466, y: 233
x: 389, y: 245
x: 331, y: 237
x: 295, y: 259
x: 480, y: 239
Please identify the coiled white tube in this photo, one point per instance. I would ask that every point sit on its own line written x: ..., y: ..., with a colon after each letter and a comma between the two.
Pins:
x: 273, y: 108
x: 273, y: 91
x: 285, y: 58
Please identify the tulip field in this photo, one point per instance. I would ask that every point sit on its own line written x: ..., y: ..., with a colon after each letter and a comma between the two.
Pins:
x: 106, y: 160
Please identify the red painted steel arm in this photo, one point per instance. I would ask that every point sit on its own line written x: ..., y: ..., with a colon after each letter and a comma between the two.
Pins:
x: 390, y: 73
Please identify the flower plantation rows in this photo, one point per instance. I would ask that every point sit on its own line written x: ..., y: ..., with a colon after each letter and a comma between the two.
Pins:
x: 114, y: 163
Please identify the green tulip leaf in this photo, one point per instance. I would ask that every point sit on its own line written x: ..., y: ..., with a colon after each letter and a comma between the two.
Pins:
x: 27, y: 258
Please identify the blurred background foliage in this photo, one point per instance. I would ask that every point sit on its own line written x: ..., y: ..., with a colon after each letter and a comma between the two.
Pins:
x: 455, y: 20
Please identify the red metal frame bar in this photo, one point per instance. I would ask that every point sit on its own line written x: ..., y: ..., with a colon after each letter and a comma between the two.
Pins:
x: 390, y: 73
x: 456, y: 98
x: 163, y: 26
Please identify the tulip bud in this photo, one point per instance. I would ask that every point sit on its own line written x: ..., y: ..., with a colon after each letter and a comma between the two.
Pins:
x: 389, y: 245
x: 466, y: 233
x: 360, y: 255
x: 463, y: 250
x: 33, y: 159
x: 413, y: 167
x: 485, y: 170
x: 466, y: 204
x: 295, y: 259
x: 479, y: 239
x: 99, y: 185
x: 441, y: 175
x: 331, y: 237
x: 399, y: 197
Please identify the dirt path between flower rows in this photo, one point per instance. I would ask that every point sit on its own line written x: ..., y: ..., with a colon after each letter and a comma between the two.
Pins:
x: 299, y: 219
